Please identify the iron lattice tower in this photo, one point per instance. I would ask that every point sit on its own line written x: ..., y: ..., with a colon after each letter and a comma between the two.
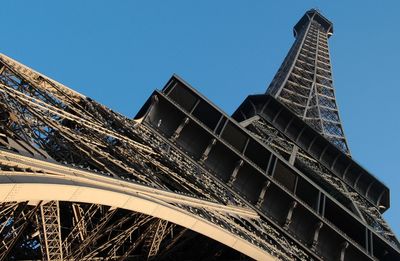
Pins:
x: 304, y: 80
x: 184, y: 180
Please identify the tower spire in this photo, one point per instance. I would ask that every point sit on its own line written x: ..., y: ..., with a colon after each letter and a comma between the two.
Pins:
x: 304, y: 81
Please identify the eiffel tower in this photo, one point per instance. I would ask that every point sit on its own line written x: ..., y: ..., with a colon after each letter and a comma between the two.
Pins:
x: 183, y: 180
x: 304, y: 81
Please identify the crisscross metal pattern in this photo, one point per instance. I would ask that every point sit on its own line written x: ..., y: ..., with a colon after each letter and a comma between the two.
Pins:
x: 304, y: 82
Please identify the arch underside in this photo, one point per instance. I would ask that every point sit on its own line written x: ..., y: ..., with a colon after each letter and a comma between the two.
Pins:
x: 64, y: 158
x: 184, y: 180
x: 109, y: 218
x: 111, y: 234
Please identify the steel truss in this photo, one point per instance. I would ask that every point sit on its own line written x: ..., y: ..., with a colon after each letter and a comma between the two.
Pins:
x: 47, y: 123
x: 304, y: 80
x: 293, y: 198
x: 272, y: 195
x: 50, y: 230
x: 155, y: 237
x: 342, y: 192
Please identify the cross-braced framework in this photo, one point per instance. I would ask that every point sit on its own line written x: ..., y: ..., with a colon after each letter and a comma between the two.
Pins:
x: 50, y: 230
x: 49, y: 130
x: 304, y: 80
x: 183, y: 180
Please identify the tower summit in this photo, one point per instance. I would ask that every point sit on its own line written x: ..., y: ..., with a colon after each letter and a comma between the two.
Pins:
x: 313, y: 14
x: 304, y: 81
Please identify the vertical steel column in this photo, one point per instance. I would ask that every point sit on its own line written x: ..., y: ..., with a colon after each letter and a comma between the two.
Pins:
x: 51, y: 230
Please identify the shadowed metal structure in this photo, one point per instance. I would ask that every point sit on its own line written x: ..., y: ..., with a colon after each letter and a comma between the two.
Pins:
x: 184, y: 180
x: 304, y: 81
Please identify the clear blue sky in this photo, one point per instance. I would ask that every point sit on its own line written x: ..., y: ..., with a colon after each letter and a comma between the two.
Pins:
x: 117, y: 52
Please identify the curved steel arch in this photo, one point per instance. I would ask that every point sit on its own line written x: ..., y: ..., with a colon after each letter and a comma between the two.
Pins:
x: 77, y: 186
x: 35, y: 191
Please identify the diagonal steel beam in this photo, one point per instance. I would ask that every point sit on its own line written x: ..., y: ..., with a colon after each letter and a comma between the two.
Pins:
x: 15, y: 228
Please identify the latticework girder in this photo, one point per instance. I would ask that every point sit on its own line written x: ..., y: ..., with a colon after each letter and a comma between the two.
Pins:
x: 304, y: 81
x: 14, y: 224
x: 154, y: 239
x: 46, y: 122
x: 93, y: 231
x: 185, y: 181
x: 50, y: 230
x: 352, y: 200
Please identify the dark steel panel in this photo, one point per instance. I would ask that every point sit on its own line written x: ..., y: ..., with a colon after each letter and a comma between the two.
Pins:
x: 313, y: 142
x: 251, y: 188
